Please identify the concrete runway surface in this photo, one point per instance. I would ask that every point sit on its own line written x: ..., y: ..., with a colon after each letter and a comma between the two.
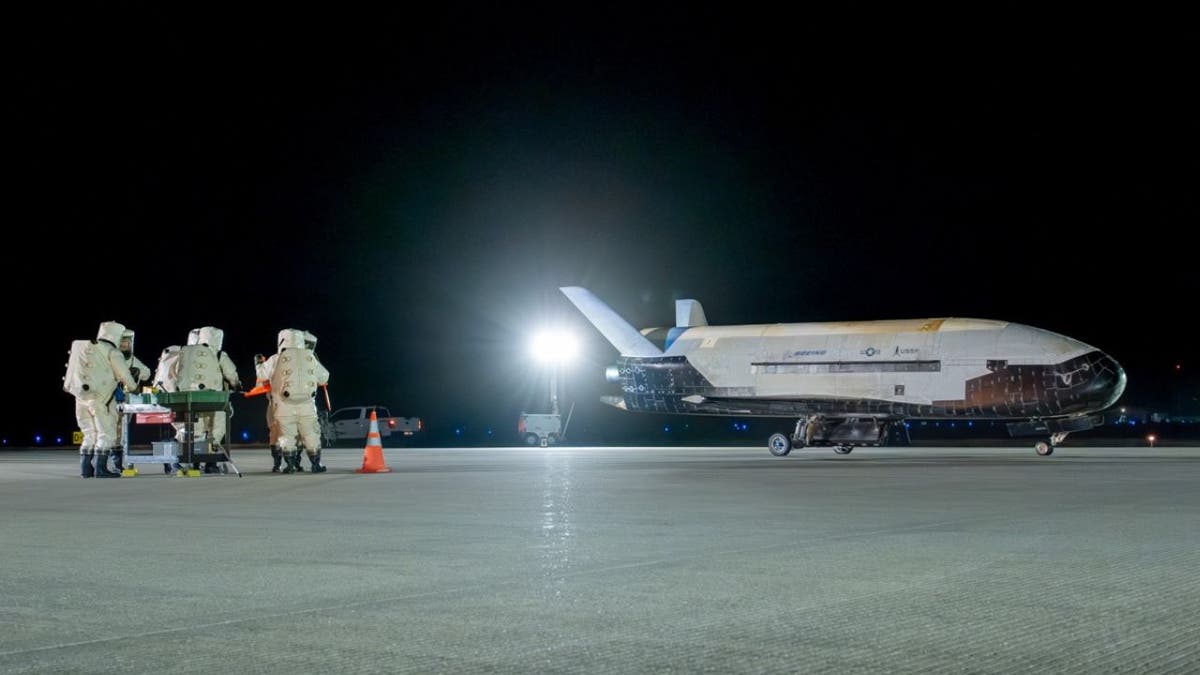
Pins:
x: 981, y: 560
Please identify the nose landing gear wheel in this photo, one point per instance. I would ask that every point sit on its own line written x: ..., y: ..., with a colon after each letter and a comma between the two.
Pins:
x: 1043, y: 448
x: 843, y: 449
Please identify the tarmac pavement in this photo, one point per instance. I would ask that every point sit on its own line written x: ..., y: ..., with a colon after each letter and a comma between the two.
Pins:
x: 982, y: 560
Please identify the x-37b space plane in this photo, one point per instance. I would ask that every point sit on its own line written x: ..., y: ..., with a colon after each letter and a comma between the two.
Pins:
x: 855, y: 383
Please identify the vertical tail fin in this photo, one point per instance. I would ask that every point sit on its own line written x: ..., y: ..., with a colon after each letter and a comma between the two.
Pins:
x: 689, y: 313
x: 626, y: 338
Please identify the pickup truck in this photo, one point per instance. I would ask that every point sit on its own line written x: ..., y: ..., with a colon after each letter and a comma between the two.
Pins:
x: 353, y: 423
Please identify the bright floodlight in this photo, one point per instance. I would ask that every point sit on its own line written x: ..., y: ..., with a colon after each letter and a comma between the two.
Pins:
x: 554, y: 346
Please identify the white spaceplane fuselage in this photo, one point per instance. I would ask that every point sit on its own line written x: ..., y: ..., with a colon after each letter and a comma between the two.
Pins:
x: 849, y: 383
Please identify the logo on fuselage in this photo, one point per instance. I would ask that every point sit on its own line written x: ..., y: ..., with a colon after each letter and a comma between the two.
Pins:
x: 869, y: 351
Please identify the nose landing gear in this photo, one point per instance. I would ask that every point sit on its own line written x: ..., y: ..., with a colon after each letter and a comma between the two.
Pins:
x: 1046, y: 448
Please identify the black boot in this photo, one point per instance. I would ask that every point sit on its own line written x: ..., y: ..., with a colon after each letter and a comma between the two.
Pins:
x: 102, y: 466
x: 118, y: 460
x: 85, y: 464
x: 315, y: 461
x: 276, y: 459
x: 289, y: 465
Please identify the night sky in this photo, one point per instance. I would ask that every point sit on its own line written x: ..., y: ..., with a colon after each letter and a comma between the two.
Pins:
x: 413, y: 189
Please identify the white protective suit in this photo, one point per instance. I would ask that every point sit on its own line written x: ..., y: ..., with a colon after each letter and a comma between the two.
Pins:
x: 295, y: 374
x: 214, y: 422
x: 171, y: 364
x: 263, y: 371
x: 165, y: 380
x: 93, y: 374
x: 141, y: 373
x: 262, y: 374
x: 164, y: 374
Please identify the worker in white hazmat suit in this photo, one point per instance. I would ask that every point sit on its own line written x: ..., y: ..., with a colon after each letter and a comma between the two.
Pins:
x: 263, y: 366
x: 164, y: 374
x: 172, y: 364
x: 262, y: 369
x: 94, y: 370
x: 295, y: 376
x: 165, y: 380
x: 214, y: 422
x: 203, y: 366
x: 141, y: 374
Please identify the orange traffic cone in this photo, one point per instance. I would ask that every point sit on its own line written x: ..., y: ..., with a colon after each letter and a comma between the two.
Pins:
x: 373, y: 453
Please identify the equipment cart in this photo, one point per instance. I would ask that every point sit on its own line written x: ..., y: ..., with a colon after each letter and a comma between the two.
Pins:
x: 144, y: 409
x: 188, y: 404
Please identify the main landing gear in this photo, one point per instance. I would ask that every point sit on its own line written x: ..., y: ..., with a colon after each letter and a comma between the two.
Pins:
x: 842, y: 434
x: 780, y: 444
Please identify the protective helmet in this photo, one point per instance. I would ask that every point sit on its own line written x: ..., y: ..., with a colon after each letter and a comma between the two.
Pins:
x: 213, y: 337
x: 126, y: 344
x: 110, y: 331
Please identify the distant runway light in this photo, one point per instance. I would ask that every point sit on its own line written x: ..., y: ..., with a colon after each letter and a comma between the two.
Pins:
x: 37, y: 438
x: 58, y: 440
x: 245, y: 435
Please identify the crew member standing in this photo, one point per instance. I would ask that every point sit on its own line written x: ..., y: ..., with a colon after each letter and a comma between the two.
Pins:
x: 295, y: 376
x: 262, y: 370
x: 94, y: 370
x: 214, y: 422
x: 141, y: 374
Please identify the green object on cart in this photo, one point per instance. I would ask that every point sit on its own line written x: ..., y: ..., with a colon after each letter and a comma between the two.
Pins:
x: 202, y: 400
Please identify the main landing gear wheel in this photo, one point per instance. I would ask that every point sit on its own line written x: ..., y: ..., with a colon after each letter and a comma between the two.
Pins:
x: 779, y: 445
x: 843, y: 449
x: 1043, y: 448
